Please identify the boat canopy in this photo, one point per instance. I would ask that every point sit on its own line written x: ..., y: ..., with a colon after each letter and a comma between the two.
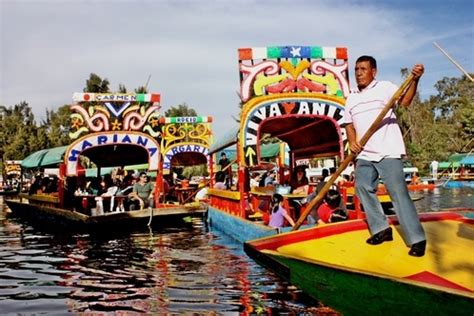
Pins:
x: 447, y: 164
x: 45, y: 158
x: 469, y: 160
x: 116, y: 155
x: 228, y: 139
x: 305, y: 136
x: 457, y: 160
x: 267, y: 151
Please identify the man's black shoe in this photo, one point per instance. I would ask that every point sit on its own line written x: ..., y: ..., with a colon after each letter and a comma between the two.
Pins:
x: 418, y: 249
x: 380, y: 237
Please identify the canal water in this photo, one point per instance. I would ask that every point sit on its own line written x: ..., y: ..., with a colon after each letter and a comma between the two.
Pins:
x: 182, y: 267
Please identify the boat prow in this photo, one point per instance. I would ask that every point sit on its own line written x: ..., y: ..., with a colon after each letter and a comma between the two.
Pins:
x: 334, y: 264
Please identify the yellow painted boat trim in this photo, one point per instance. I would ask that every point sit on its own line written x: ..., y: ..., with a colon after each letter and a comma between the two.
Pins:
x: 448, y: 255
x: 233, y: 195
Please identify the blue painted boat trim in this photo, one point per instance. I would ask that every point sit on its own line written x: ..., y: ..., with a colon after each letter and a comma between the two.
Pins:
x: 459, y: 184
x: 238, y: 228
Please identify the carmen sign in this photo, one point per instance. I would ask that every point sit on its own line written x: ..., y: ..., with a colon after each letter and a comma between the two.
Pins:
x: 112, y: 138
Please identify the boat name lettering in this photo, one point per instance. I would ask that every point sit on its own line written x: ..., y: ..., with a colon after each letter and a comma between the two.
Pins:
x: 186, y: 119
x: 168, y: 156
x: 112, y: 139
x: 269, y: 110
x: 115, y: 97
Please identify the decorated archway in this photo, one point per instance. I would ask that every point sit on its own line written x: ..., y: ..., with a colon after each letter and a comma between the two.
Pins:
x: 114, y: 149
x: 185, y: 141
x: 307, y: 122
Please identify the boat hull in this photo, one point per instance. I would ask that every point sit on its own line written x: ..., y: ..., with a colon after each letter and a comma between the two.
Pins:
x: 133, y: 219
x: 355, y: 278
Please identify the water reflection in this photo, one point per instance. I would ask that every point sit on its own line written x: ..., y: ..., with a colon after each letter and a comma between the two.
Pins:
x: 441, y: 198
x: 180, y: 269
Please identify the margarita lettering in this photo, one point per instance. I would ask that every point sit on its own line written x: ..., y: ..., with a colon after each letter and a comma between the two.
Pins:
x: 168, y: 156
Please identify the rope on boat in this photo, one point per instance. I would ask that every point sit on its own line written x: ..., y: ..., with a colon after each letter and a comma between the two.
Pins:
x: 151, y: 216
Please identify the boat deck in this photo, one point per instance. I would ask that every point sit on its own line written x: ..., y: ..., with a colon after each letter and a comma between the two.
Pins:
x: 448, y: 262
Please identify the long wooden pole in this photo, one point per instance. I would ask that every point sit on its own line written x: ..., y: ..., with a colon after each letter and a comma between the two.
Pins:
x: 375, y: 125
x: 454, y: 62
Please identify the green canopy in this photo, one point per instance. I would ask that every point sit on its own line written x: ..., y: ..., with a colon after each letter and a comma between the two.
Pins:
x: 45, y: 158
x: 226, y: 140
x: 54, y: 156
x: 270, y: 150
x: 458, y: 157
x: 447, y: 164
x: 92, y: 172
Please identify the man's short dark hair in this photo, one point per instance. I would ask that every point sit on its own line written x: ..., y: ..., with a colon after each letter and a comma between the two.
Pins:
x: 222, y: 154
x: 370, y: 59
x: 333, y: 198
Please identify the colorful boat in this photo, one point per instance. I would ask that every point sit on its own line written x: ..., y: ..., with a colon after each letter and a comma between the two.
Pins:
x: 333, y: 264
x: 11, y: 185
x: 295, y: 95
x: 108, y: 130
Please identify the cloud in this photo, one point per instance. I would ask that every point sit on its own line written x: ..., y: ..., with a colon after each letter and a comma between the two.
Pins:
x: 189, y: 47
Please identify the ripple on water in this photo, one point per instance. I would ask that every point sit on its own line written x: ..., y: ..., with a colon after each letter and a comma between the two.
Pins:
x: 177, y: 270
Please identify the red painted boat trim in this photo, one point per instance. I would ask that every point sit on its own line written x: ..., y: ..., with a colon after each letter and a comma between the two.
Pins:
x: 274, y: 242
x: 430, y: 278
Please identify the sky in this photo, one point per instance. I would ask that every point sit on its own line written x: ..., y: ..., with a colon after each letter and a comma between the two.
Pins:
x: 48, y: 48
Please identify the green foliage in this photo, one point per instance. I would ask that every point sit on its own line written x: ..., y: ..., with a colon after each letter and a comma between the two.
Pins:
x: 180, y: 110
x: 199, y: 170
x: 95, y: 84
x: 57, y: 125
x: 433, y: 129
x: 443, y: 124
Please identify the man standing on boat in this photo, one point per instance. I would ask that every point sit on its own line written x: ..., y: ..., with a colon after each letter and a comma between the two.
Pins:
x: 381, y: 155
x: 226, y: 168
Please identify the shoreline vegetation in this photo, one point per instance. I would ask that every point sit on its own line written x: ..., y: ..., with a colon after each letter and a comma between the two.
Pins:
x: 433, y: 129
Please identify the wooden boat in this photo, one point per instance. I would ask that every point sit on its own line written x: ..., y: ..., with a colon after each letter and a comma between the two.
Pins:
x: 108, y: 130
x: 11, y: 185
x: 287, y: 93
x: 9, y: 192
x: 139, y: 219
x: 333, y: 264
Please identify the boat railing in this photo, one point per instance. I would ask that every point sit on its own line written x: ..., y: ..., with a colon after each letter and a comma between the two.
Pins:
x: 43, y: 199
x: 225, y: 200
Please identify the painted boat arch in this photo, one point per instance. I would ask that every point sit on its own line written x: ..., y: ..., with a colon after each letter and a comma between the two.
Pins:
x: 104, y: 147
x: 185, y: 141
x: 292, y: 118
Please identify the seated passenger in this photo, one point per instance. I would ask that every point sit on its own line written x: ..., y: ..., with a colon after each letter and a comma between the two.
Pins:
x: 142, y: 195
x: 299, y: 185
x: 330, y: 210
x: 299, y: 181
x: 279, y: 214
x: 220, y: 181
x: 339, y: 179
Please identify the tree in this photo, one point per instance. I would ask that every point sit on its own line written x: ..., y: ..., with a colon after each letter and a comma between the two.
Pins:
x: 95, y: 84
x: 19, y: 133
x: 180, y: 110
x: 454, y: 103
x: 122, y: 88
x: 57, y: 125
